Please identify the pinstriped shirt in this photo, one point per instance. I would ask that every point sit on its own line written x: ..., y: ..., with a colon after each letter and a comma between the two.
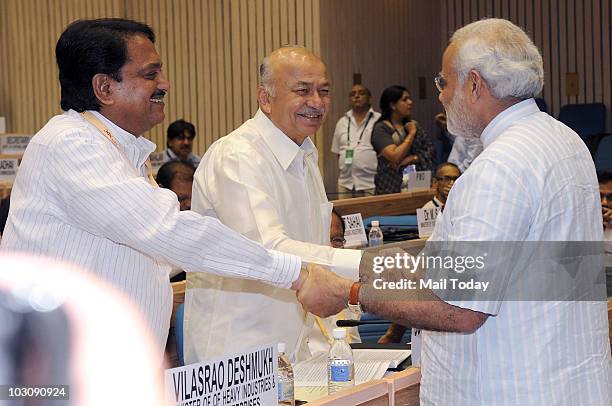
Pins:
x: 534, y: 181
x: 78, y: 198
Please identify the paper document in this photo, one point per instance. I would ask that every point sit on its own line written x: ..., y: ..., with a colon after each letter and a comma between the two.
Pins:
x: 369, y: 365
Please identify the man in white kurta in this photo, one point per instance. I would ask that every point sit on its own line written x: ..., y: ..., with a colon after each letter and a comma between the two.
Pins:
x: 82, y: 193
x: 265, y: 183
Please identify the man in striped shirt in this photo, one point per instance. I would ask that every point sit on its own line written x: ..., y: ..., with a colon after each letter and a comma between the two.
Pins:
x: 84, y: 192
x: 533, y: 185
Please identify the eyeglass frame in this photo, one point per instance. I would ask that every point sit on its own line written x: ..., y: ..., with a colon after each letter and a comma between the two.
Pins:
x: 446, y: 179
x: 440, y: 82
x: 338, y: 240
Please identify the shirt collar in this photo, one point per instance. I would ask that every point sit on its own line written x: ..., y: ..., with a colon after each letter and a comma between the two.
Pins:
x: 506, y: 118
x: 284, y: 149
x: 351, y: 115
x: 128, y: 140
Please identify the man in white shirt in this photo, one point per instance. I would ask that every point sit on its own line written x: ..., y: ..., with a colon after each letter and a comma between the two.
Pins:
x: 84, y: 193
x: 446, y: 175
x: 542, y: 339
x: 263, y: 181
x: 357, y: 160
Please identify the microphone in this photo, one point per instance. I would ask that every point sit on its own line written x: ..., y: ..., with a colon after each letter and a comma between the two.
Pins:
x: 355, y: 323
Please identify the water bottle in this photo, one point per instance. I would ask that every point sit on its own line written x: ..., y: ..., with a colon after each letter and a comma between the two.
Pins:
x: 375, y: 236
x: 285, y: 378
x: 340, y: 367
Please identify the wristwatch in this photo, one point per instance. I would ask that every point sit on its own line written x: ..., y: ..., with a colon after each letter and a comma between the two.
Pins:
x: 354, y: 307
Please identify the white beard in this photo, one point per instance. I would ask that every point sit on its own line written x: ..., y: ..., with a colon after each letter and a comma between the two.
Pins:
x: 459, y: 119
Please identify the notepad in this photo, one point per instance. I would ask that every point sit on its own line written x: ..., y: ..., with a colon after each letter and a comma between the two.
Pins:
x: 369, y: 364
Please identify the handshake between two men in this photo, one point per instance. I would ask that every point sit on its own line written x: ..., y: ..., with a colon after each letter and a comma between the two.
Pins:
x: 396, y: 291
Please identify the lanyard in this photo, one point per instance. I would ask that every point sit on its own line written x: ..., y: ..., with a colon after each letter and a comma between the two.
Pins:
x: 348, y: 130
x: 93, y: 120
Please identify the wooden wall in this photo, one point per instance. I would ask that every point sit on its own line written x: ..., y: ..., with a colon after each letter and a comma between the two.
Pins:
x: 210, y: 49
x: 388, y: 42
x: 572, y: 35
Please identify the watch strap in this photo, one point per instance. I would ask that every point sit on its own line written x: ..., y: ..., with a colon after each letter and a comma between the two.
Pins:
x: 354, y: 294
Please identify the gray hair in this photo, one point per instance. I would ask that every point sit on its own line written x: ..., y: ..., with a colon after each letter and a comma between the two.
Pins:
x: 503, y: 54
x: 265, y: 77
x: 265, y: 70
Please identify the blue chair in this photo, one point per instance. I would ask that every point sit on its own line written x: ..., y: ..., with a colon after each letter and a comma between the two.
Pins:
x: 603, y: 155
x: 178, y: 331
x: 370, y: 333
x: 586, y: 119
x: 395, y: 228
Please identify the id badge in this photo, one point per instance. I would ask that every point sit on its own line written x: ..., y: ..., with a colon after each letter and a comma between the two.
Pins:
x: 348, y: 156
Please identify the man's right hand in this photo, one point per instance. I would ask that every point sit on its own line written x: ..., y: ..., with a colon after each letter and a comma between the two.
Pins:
x: 323, y: 293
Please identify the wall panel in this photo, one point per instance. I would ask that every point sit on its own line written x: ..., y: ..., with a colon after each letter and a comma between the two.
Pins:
x: 573, y: 36
x: 388, y: 42
x: 210, y: 49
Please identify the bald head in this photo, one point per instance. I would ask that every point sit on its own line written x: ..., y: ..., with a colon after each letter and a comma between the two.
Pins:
x: 294, y: 91
x: 287, y: 55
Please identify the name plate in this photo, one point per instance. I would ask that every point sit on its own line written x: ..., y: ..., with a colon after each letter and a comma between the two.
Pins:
x: 8, y: 169
x: 245, y: 378
x: 426, y: 219
x: 420, y: 180
x: 354, y: 231
x: 2, y: 125
x: 14, y: 144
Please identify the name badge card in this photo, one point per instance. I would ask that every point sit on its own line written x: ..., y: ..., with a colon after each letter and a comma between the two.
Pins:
x: 245, y: 378
x: 354, y: 231
x: 2, y: 125
x: 348, y: 156
x: 420, y: 180
x: 14, y: 144
x: 8, y: 169
x: 426, y: 220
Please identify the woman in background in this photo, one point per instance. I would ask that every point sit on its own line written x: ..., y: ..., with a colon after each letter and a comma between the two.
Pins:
x: 398, y: 141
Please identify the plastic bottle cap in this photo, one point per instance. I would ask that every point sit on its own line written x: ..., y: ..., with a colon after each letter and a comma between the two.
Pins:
x: 339, y: 333
x: 375, y: 223
x: 281, y: 347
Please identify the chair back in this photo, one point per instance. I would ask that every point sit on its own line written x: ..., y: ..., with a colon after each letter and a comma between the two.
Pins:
x: 586, y: 119
x: 603, y: 155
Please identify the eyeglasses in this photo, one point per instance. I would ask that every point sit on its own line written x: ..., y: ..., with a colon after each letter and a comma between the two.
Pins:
x: 440, y: 82
x: 447, y: 179
x: 338, y: 242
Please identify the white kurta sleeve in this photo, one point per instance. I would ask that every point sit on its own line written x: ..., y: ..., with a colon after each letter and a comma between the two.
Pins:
x: 105, y: 196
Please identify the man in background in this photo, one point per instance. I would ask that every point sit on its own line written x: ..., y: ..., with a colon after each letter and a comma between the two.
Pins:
x: 263, y: 181
x: 179, y: 143
x: 178, y: 177
x: 356, y: 157
x: 445, y: 177
x: 605, y: 193
x: 336, y: 233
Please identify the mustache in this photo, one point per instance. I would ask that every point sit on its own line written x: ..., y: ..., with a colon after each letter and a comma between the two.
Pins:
x: 310, y: 110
